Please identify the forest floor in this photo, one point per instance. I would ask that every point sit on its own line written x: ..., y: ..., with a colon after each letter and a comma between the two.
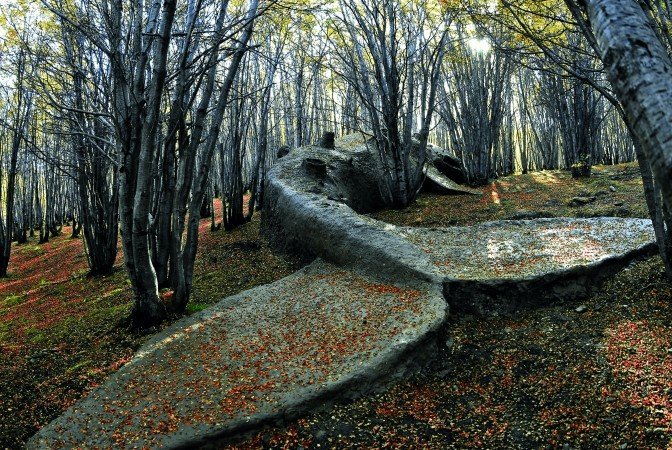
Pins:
x: 595, y: 373
x: 590, y: 374
x: 62, y: 333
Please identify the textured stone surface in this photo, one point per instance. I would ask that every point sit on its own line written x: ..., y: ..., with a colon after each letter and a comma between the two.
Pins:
x: 525, y: 249
x: 263, y: 355
x: 318, y: 216
x: 447, y: 164
x: 333, y: 331
x: 556, y: 255
x: 438, y: 182
x: 499, y: 267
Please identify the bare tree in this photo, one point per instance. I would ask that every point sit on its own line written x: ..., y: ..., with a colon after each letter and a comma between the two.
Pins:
x: 473, y: 106
x: 265, y: 76
x: 89, y: 131
x: 194, y: 180
x: 22, y: 104
x: 638, y: 66
x: 392, y: 61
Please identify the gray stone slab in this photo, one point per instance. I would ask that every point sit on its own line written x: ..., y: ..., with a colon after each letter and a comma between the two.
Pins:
x: 525, y: 249
x: 501, y: 267
x: 490, y: 268
x: 441, y: 183
x: 257, y: 357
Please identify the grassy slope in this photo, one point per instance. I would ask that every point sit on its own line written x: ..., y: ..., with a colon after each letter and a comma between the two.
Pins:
x: 548, y: 193
x: 59, y: 330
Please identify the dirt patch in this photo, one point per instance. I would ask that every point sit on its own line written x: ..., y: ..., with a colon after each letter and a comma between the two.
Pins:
x: 533, y: 195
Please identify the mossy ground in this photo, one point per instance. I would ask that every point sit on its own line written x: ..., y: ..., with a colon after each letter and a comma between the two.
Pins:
x: 546, y: 194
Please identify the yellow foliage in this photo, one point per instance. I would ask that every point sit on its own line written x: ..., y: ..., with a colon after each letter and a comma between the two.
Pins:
x: 526, y: 21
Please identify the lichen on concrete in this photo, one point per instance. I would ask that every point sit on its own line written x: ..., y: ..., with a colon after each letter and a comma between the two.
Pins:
x: 528, y: 248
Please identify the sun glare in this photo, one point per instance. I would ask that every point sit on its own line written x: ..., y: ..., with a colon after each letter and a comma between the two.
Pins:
x: 479, y: 45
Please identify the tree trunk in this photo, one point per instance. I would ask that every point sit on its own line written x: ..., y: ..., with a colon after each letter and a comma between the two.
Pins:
x: 640, y: 71
x: 138, y: 135
x: 185, y: 270
x: 19, y: 123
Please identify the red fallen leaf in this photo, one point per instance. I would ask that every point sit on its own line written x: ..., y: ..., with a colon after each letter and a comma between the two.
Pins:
x: 117, y: 364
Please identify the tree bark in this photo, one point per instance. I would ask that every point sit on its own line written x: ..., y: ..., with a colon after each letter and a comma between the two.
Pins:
x: 185, y: 255
x: 21, y: 118
x: 640, y: 71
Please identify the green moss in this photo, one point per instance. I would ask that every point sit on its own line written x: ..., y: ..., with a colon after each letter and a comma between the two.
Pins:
x: 35, y: 336
x: 11, y: 300
x: 207, y: 277
x: 196, y: 307
x: 79, y: 365
x: 29, y: 248
x: 114, y: 292
x: 4, y: 331
x: 547, y: 193
x: 81, y: 273
x: 60, y: 289
x: 108, y: 314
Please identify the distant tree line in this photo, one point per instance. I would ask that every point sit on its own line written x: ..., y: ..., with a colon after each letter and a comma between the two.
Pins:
x: 125, y: 119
